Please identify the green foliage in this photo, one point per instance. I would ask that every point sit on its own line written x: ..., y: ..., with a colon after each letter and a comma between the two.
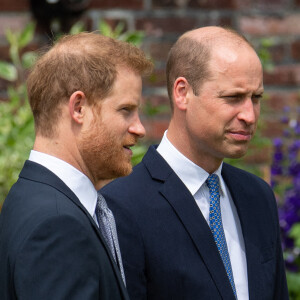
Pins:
x: 77, y: 28
x: 14, y: 70
x: 16, y: 138
x: 8, y: 71
x: 265, y: 54
x: 152, y: 110
x: 16, y: 121
x: 295, y: 234
x: 138, y: 153
x: 118, y: 32
x: 293, y: 280
x: 134, y: 37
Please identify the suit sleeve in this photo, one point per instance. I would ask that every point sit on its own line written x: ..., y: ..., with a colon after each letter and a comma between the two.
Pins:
x: 57, y: 261
x: 132, y: 251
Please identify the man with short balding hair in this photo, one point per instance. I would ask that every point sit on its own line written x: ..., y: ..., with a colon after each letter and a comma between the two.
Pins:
x: 57, y: 236
x: 190, y: 226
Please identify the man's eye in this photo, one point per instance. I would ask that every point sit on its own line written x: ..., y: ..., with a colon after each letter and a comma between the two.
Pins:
x: 233, y: 97
x: 257, y: 97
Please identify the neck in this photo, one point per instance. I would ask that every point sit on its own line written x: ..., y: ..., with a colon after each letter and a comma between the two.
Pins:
x: 100, y: 184
x: 64, y: 149
x: 51, y: 146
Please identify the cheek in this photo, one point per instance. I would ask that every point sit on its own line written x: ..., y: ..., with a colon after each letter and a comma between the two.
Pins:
x: 118, y: 131
x: 257, y: 111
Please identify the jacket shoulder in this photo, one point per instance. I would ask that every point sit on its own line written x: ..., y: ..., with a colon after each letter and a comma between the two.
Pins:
x: 229, y: 171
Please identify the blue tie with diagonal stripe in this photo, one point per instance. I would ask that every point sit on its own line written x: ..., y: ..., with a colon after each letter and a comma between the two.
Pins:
x: 216, y: 226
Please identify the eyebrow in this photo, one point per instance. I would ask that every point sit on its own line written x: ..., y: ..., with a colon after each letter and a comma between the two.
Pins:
x: 241, y: 92
x: 130, y: 105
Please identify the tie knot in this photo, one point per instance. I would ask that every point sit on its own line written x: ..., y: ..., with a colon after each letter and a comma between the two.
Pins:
x: 213, y: 183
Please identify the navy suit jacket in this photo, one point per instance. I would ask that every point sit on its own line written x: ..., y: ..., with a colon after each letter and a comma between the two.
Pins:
x: 167, y: 246
x: 50, y: 247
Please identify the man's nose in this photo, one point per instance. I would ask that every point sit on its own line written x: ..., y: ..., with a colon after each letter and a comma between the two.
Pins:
x: 137, y: 128
x: 249, y: 111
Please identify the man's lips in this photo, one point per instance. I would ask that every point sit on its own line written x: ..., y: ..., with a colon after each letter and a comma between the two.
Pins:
x: 127, y: 148
x: 129, y: 143
x: 240, y: 135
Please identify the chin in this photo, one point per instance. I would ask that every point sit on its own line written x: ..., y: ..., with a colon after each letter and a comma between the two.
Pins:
x: 125, y: 172
x: 120, y: 170
x: 237, y: 154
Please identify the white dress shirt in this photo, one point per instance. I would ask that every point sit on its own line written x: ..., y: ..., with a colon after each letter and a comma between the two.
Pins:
x: 78, y: 183
x: 194, y: 178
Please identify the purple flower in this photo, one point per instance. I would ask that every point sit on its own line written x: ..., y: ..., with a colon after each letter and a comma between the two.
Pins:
x: 286, y: 133
x: 297, y: 129
x: 284, y: 120
x: 294, y: 169
x: 277, y: 142
x: 276, y: 170
x: 286, y: 161
x: 278, y: 156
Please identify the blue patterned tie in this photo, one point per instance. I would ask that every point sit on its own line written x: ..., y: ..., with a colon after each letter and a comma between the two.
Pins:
x: 108, y: 229
x: 216, y: 226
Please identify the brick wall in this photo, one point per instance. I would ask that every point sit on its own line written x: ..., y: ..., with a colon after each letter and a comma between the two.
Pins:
x: 164, y: 20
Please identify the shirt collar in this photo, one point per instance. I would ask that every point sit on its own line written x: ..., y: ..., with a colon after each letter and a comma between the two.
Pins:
x: 190, y: 174
x: 79, y: 183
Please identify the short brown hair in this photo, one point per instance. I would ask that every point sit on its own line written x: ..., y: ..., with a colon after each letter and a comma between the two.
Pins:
x: 87, y: 62
x: 189, y: 58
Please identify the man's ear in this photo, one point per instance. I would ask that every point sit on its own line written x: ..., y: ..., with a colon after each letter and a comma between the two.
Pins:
x: 180, y: 93
x: 77, y: 106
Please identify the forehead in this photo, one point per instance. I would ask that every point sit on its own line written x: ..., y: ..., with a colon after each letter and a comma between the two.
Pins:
x: 126, y: 88
x: 126, y: 75
x: 228, y: 62
x: 227, y: 55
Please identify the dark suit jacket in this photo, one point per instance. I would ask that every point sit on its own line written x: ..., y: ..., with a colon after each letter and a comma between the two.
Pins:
x: 167, y: 247
x: 50, y: 247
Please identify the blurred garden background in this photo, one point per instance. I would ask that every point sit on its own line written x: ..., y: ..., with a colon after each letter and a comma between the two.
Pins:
x: 272, y: 26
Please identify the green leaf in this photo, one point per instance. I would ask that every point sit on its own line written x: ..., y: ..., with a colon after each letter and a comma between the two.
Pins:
x: 12, y: 37
x: 14, y: 54
x: 119, y: 29
x: 138, y: 154
x: 8, y: 71
x: 26, y: 35
x: 293, y: 280
x: 77, y: 28
x: 105, y: 29
x: 151, y: 110
x: 267, y: 42
x: 28, y: 59
x: 295, y: 234
x: 136, y: 38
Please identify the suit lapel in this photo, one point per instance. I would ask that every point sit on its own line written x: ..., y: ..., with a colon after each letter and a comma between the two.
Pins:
x: 243, y: 200
x: 188, y: 213
x: 39, y: 173
x: 36, y: 172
